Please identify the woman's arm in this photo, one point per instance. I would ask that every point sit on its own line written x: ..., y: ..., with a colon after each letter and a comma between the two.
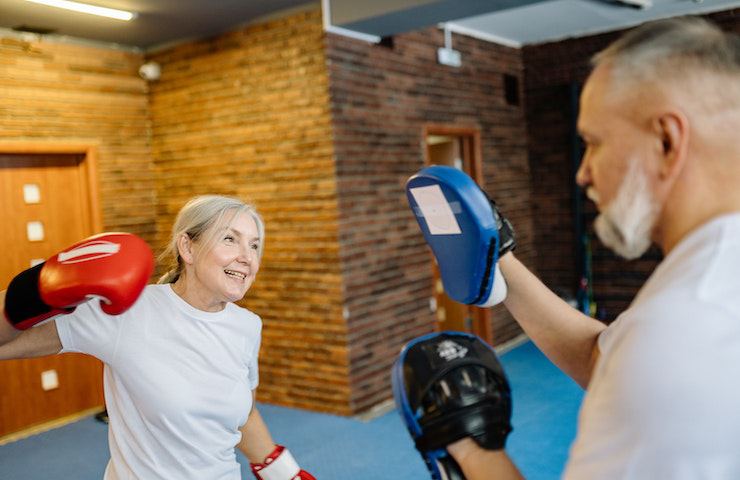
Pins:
x: 7, y: 332
x: 256, y: 442
x: 268, y: 461
x: 34, y: 342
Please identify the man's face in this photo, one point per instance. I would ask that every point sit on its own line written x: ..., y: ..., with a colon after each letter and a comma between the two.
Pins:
x: 615, y: 170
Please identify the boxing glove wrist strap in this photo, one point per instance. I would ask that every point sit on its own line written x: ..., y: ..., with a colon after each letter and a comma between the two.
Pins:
x: 279, y: 465
x: 23, y: 304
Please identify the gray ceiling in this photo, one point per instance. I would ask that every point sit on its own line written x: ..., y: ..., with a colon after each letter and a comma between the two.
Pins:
x: 511, y: 22
x: 558, y: 19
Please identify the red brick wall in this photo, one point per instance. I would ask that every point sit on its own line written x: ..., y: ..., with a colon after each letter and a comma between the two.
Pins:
x: 551, y: 70
x: 380, y: 99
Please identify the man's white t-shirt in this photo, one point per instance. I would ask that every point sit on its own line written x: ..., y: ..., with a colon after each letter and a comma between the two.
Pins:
x: 664, y: 398
x: 178, y: 383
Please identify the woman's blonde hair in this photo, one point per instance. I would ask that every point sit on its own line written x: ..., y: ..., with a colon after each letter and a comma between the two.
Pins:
x: 196, y: 219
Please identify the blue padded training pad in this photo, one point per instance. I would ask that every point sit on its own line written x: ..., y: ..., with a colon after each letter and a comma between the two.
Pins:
x: 457, y: 221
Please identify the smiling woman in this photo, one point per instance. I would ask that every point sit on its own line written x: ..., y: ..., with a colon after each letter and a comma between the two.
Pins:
x: 181, y: 363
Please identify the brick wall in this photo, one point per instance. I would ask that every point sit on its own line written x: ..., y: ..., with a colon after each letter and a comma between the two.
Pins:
x: 551, y: 71
x: 381, y: 98
x: 246, y: 114
x: 68, y: 93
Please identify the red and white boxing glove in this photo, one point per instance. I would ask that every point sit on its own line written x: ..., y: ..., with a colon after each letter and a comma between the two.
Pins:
x: 114, y: 267
x: 280, y: 465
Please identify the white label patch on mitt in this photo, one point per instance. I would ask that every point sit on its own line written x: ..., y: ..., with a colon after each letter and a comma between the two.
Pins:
x: 436, y: 210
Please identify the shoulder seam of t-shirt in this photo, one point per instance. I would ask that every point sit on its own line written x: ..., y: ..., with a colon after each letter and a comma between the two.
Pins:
x: 65, y: 338
x: 114, y: 355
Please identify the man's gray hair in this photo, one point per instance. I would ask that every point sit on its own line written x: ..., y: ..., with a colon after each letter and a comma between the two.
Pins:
x: 668, y: 49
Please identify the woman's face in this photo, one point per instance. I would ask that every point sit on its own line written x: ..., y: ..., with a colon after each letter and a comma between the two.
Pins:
x: 224, y: 273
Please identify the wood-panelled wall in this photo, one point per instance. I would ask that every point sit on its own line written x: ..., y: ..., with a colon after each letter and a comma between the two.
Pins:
x: 247, y: 114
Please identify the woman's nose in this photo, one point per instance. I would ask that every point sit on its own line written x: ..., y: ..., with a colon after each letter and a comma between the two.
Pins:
x: 246, y: 254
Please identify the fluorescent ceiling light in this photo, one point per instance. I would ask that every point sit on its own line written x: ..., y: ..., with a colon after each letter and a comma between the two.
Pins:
x: 91, y: 9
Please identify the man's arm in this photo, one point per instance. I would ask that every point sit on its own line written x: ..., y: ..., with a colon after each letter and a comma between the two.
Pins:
x: 566, y: 336
x: 471, y: 276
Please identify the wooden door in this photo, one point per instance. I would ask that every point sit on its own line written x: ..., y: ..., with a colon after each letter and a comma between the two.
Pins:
x: 45, y: 205
x: 456, y: 147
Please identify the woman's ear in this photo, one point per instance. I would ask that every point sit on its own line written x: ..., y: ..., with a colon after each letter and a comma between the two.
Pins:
x: 185, y: 248
x: 673, y: 128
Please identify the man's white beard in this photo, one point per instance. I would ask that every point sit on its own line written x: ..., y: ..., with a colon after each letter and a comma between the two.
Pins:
x: 626, y: 224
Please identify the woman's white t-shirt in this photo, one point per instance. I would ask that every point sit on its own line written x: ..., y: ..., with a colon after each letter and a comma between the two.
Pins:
x: 178, y: 383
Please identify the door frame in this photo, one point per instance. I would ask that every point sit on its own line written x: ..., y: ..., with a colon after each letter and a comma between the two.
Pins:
x: 481, y: 317
x: 88, y: 164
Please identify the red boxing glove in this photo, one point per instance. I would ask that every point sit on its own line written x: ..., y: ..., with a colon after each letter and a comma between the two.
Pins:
x: 114, y: 267
x: 280, y: 465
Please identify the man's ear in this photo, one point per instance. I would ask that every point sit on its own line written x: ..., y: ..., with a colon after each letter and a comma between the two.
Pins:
x: 673, y: 128
x: 185, y: 248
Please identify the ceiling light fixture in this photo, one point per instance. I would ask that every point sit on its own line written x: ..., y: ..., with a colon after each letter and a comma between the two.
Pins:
x: 91, y: 9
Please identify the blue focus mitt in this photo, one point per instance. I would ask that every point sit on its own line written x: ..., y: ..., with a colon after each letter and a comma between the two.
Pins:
x: 465, y: 231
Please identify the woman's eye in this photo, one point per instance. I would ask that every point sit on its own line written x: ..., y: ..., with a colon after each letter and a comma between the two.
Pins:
x: 255, y: 246
x: 229, y: 238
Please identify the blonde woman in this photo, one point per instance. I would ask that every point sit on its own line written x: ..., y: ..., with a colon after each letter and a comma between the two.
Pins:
x: 181, y: 363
